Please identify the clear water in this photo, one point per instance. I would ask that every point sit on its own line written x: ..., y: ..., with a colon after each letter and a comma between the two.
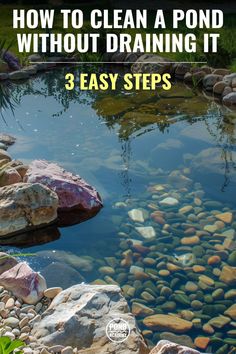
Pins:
x: 121, y: 156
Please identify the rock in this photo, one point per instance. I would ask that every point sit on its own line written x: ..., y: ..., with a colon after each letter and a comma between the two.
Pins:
x: 202, y: 342
x: 213, y: 260
x: 88, y: 309
x: 166, y: 347
x: 231, y: 312
x: 221, y: 72
x: 169, y: 201
x: 24, y: 283
x: 11, y: 322
x: 210, y: 80
x: 52, y: 292
x: 230, y: 99
x: 232, y: 259
x: 225, y: 217
x: 227, y: 90
x: 6, y: 262
x: 30, y: 69
x: 181, y: 69
x: 76, y: 198
x: 186, y: 209
x: 191, y: 240
x: 228, y: 275
x: 25, y: 206
x: 191, y: 287
x: 136, y: 215
x: 230, y: 294
x: 211, y: 228
x: 9, y: 176
x: 219, y: 87
x: 229, y: 78
x: 18, y: 75
x: 146, y: 231
x: 7, y: 139
x: 35, y: 58
x: 4, y: 155
x: 219, y: 322
x: 149, y: 63
x: 141, y: 310
x: 167, y: 323
x: 206, y: 280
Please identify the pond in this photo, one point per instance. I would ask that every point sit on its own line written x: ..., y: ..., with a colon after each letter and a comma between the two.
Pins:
x: 165, y: 166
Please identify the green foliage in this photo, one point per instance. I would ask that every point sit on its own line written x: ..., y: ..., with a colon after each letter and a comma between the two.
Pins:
x: 3, y: 48
x: 7, y: 346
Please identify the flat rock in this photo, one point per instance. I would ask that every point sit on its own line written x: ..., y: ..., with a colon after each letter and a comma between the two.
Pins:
x: 18, y: 75
x: 146, y: 231
x: 169, y: 201
x: 167, y: 323
x: 136, y: 215
x: 225, y: 217
x: 228, y: 275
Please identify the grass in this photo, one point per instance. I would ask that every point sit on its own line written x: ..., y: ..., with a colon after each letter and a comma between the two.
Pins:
x: 226, y: 56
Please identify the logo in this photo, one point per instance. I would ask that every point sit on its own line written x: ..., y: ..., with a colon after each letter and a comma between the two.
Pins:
x: 117, y: 330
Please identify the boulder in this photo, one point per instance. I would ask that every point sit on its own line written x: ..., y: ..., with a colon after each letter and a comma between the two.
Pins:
x: 230, y: 99
x: 219, y: 87
x: 25, y: 206
x: 9, y: 176
x: 210, y: 80
x: 4, y: 155
x: 88, y: 309
x: 24, y: 283
x: 149, y: 63
x: 7, y: 139
x: 229, y: 78
x: 78, y: 201
x: 166, y: 347
x: 181, y: 69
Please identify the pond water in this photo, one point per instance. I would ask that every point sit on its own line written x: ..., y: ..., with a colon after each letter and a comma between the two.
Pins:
x: 170, y: 256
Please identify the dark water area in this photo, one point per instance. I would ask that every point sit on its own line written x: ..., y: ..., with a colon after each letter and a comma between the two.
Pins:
x: 138, y: 149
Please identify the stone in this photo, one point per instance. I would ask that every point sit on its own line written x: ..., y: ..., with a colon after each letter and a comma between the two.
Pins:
x: 211, y: 228
x: 213, y: 260
x: 219, y: 87
x: 230, y: 99
x: 169, y: 201
x: 146, y: 231
x: 228, y: 275
x: 210, y: 80
x: 191, y: 240
x: 11, y: 322
x: 225, y: 217
x: 30, y: 69
x: 4, y: 155
x: 219, y: 322
x: 139, y: 309
x: 35, y: 58
x: 149, y: 63
x: 18, y: 75
x: 166, y: 347
x: 76, y: 197
x: 232, y: 259
x: 24, y: 283
x: 9, y: 176
x: 186, y: 209
x: 136, y: 215
x: 167, y: 323
x: 206, y: 280
x: 231, y: 312
x: 88, y: 309
x: 67, y: 350
x: 227, y: 90
x: 202, y: 342
x: 25, y: 206
x: 7, y: 139
x: 221, y: 71
x: 229, y: 78
x: 230, y: 294
x: 52, y: 292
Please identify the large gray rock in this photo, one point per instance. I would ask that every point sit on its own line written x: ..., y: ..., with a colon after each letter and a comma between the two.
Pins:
x: 166, y: 347
x: 149, y: 63
x: 18, y: 75
x: 78, y: 317
x: 25, y: 206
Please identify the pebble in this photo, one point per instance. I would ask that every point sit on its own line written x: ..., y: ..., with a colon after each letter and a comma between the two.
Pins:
x: 52, y: 292
x: 136, y: 215
x: 147, y: 232
x: 169, y: 201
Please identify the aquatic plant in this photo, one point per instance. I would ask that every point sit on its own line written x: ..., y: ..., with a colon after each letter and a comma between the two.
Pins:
x: 8, y: 346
